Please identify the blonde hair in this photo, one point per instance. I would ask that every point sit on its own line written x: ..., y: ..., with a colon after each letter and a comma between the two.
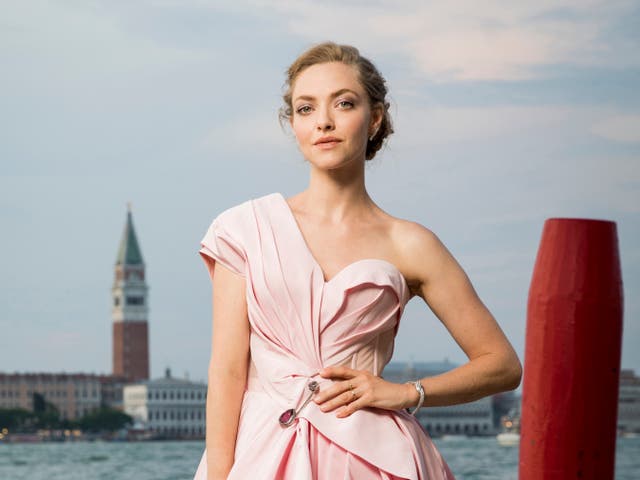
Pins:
x: 369, y: 76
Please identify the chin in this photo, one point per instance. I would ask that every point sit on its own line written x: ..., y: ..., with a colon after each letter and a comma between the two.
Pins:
x: 330, y: 162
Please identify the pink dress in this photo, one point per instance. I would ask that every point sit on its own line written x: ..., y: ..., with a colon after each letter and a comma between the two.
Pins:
x: 299, y: 324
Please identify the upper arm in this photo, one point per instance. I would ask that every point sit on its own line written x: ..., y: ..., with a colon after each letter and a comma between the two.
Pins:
x: 447, y: 290
x: 230, y: 324
x: 222, y: 249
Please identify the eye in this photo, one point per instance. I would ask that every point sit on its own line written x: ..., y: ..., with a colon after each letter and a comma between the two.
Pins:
x: 345, y: 104
x: 303, y: 109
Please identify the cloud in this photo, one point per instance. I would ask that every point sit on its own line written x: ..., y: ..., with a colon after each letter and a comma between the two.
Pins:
x: 443, y: 41
x: 248, y: 134
x: 463, y: 41
x: 85, y: 41
x: 619, y: 128
x: 444, y: 125
x: 545, y: 159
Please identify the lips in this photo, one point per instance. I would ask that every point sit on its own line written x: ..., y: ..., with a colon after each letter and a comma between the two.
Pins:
x: 327, y: 140
x: 327, y: 145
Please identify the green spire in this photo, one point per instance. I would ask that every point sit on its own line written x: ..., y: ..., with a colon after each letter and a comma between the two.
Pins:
x: 129, y: 251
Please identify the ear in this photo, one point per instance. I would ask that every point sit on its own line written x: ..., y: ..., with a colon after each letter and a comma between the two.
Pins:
x: 377, y: 113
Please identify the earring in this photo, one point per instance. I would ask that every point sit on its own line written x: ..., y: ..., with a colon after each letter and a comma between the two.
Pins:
x: 372, y: 135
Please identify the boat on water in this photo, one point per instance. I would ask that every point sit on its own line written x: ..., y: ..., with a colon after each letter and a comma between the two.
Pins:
x: 452, y: 437
x: 508, y: 439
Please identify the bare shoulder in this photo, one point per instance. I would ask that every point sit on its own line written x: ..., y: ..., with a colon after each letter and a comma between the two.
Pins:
x: 414, y: 237
x: 420, y: 252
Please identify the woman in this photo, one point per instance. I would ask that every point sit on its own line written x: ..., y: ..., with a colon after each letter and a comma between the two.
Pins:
x: 309, y: 298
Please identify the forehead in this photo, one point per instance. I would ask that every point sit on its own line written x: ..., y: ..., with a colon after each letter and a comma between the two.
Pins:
x: 322, y: 79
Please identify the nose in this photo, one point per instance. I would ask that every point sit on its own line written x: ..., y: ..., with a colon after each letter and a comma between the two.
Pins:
x: 324, y: 119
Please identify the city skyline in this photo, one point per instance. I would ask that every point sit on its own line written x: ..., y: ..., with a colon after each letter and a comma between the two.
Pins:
x: 503, y: 118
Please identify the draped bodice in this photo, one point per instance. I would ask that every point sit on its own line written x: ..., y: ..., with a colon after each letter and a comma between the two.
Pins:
x: 301, y: 322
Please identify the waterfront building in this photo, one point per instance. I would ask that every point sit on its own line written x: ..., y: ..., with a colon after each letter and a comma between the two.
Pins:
x: 168, y: 407
x: 73, y: 394
x: 629, y: 402
x: 111, y: 387
x: 130, y: 309
x: 473, y: 418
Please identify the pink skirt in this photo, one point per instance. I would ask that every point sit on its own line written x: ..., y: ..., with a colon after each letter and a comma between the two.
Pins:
x: 329, y: 461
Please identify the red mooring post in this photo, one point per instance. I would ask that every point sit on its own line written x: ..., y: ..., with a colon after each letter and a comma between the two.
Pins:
x: 572, y: 353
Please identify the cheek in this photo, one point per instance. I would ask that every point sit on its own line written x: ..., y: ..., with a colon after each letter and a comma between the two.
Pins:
x: 299, y: 135
x: 301, y: 130
x: 358, y: 124
x: 295, y: 128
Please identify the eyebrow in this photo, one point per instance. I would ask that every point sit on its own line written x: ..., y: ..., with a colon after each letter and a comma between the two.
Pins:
x: 333, y: 95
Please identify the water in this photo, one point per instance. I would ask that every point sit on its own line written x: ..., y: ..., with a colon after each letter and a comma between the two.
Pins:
x: 484, y: 459
x: 100, y: 460
x: 469, y: 458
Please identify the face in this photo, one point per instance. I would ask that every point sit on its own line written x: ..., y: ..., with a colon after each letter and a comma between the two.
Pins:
x: 331, y: 116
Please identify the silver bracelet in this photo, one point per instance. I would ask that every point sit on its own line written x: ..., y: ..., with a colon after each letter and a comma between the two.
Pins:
x: 420, y: 390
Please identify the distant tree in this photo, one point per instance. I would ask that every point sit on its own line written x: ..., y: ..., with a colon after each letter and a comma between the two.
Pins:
x: 47, y: 413
x: 67, y: 424
x: 104, y: 419
x: 49, y: 419
x: 16, y: 419
x: 39, y: 402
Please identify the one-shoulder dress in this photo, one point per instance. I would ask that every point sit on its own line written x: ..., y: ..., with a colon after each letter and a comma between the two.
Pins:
x: 300, y: 323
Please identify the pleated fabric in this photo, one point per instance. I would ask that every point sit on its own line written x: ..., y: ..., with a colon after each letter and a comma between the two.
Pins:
x: 299, y: 324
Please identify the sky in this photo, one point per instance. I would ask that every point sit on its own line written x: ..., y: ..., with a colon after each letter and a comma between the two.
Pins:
x: 505, y: 114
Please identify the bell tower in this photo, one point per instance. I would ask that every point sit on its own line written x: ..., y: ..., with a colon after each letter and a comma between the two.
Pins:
x: 130, y: 309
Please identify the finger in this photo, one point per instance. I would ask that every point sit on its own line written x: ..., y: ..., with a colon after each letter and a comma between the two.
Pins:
x: 338, y: 399
x: 338, y: 394
x: 351, y: 407
x: 339, y: 371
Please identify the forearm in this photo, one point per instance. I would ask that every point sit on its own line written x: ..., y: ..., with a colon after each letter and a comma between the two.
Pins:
x: 224, y: 401
x: 485, y: 375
